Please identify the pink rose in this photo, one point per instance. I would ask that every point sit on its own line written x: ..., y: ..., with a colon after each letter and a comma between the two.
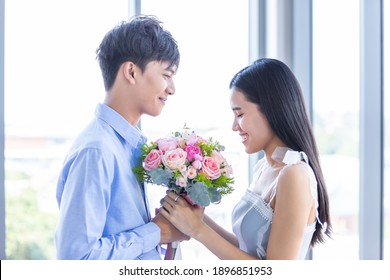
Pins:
x: 167, y: 144
x: 198, y: 157
x: 223, y: 165
x: 197, y: 164
x: 210, y: 167
x: 218, y: 157
x: 174, y: 159
x: 191, y: 172
x: 152, y: 160
x: 183, y: 171
x: 183, y: 168
x: 191, y: 151
x: 181, y: 181
x: 227, y: 170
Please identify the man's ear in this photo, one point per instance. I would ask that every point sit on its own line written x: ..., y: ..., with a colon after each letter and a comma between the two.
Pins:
x: 128, y: 69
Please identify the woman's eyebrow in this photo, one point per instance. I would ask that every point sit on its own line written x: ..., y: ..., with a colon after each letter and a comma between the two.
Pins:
x: 236, y: 108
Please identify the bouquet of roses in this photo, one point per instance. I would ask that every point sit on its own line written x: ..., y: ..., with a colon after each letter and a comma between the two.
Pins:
x: 187, y: 164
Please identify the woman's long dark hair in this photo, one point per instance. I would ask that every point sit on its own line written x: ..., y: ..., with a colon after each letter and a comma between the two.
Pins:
x: 271, y: 85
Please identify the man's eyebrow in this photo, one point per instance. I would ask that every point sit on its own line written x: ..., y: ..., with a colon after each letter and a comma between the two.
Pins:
x: 236, y: 108
x: 171, y: 69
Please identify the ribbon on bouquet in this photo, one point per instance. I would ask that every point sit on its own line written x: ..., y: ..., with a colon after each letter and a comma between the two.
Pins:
x: 173, y: 251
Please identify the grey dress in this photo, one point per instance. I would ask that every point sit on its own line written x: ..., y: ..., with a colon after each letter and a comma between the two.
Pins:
x: 252, y: 216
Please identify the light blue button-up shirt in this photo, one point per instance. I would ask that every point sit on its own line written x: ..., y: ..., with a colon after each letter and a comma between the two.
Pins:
x: 103, y: 208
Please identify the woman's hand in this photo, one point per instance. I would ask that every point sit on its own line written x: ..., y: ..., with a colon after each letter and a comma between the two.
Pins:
x: 169, y: 232
x: 185, y: 217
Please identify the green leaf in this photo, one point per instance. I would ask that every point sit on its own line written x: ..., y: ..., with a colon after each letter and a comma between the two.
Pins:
x: 140, y: 173
x: 177, y: 189
x: 198, y: 194
x: 214, y: 195
x: 160, y: 176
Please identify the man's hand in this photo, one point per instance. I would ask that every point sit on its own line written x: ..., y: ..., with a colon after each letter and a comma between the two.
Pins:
x: 168, y: 232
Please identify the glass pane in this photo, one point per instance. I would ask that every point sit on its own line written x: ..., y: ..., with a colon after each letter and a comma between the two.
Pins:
x: 386, y: 79
x: 213, y: 41
x: 336, y: 119
x: 52, y: 85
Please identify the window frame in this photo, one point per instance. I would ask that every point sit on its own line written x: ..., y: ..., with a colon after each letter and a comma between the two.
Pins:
x: 2, y: 170
x: 371, y: 217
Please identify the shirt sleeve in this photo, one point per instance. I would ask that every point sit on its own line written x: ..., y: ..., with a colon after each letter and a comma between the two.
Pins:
x: 83, y: 194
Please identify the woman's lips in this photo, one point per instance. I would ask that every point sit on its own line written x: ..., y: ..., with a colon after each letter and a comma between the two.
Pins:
x: 244, y: 137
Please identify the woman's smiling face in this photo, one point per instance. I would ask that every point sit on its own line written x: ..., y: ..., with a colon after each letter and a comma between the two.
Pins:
x: 250, y: 123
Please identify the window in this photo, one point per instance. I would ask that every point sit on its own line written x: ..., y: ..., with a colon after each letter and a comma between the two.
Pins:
x: 213, y: 41
x: 52, y: 83
x: 336, y: 119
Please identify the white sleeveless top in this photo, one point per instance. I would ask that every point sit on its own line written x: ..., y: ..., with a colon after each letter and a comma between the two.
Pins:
x: 252, y: 216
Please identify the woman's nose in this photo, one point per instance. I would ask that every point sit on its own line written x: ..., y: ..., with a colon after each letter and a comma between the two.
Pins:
x: 235, y: 126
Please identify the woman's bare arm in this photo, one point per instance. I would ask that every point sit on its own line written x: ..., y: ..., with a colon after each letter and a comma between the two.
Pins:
x: 293, y: 210
x: 189, y: 220
x: 221, y: 231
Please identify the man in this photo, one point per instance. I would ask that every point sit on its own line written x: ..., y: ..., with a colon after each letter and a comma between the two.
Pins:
x: 103, y: 208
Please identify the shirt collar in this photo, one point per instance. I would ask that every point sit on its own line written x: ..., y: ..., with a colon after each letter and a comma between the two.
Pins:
x: 132, y: 135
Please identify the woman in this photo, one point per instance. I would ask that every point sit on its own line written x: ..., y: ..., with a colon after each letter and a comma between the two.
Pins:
x: 285, y: 211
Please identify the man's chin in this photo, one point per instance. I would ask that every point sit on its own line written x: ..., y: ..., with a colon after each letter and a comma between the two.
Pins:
x: 154, y: 114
